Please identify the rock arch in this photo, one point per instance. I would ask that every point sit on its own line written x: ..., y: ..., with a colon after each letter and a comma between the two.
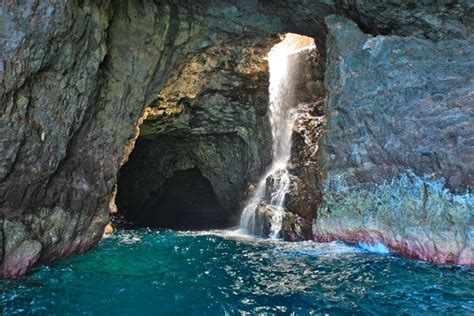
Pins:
x: 76, y: 76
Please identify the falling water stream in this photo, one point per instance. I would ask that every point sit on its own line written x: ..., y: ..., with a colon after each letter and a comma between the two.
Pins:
x: 282, y: 117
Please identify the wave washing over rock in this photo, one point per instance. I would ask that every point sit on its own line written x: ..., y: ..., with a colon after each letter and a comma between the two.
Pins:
x: 415, y: 216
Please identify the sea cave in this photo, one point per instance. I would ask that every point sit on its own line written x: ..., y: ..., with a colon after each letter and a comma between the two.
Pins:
x: 236, y: 157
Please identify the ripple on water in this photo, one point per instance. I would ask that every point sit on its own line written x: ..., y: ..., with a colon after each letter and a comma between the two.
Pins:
x: 215, y: 272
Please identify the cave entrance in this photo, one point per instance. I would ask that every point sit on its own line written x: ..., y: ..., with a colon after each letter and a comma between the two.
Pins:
x: 187, y: 202
x: 207, y: 136
x: 201, y: 140
x: 161, y: 186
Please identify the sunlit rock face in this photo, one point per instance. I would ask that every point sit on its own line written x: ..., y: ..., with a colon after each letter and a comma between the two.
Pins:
x: 210, y: 116
x: 397, y: 155
x: 77, y: 75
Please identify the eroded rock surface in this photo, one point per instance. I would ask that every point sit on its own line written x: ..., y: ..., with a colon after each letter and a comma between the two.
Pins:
x: 51, y: 59
x: 304, y: 195
x: 397, y: 155
x: 76, y: 77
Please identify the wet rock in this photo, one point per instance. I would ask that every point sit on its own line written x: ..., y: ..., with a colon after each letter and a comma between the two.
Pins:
x: 262, y: 220
x: 397, y: 156
x: 295, y: 228
x: 304, y: 194
x: 292, y: 227
x: 20, y: 258
x: 45, y: 235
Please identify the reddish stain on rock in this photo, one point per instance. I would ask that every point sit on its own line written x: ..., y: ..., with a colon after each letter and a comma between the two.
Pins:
x: 406, y: 248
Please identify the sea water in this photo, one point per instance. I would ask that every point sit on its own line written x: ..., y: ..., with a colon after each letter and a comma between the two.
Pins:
x: 162, y: 272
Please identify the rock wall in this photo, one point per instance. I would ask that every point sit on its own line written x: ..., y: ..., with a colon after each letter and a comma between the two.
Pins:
x: 51, y: 60
x: 76, y: 76
x: 304, y: 195
x: 397, y: 155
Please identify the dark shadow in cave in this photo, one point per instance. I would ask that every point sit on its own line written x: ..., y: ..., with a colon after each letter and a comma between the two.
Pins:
x: 185, y: 201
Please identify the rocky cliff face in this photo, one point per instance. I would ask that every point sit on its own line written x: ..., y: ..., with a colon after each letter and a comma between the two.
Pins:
x: 51, y: 70
x: 77, y: 75
x: 397, y: 155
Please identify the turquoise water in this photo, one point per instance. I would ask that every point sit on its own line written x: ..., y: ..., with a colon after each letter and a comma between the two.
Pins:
x: 146, y: 272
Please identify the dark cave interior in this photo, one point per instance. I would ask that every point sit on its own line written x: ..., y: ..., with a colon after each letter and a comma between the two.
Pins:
x: 185, y: 201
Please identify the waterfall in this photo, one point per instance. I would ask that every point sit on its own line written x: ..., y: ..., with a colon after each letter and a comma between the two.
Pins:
x: 281, y: 116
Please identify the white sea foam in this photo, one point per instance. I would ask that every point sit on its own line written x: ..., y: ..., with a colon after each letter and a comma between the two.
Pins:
x: 376, y: 247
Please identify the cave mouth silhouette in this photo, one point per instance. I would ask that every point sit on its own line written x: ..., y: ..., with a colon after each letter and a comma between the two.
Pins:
x: 185, y: 201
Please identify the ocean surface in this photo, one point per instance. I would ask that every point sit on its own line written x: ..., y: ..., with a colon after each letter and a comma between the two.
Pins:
x: 162, y: 272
